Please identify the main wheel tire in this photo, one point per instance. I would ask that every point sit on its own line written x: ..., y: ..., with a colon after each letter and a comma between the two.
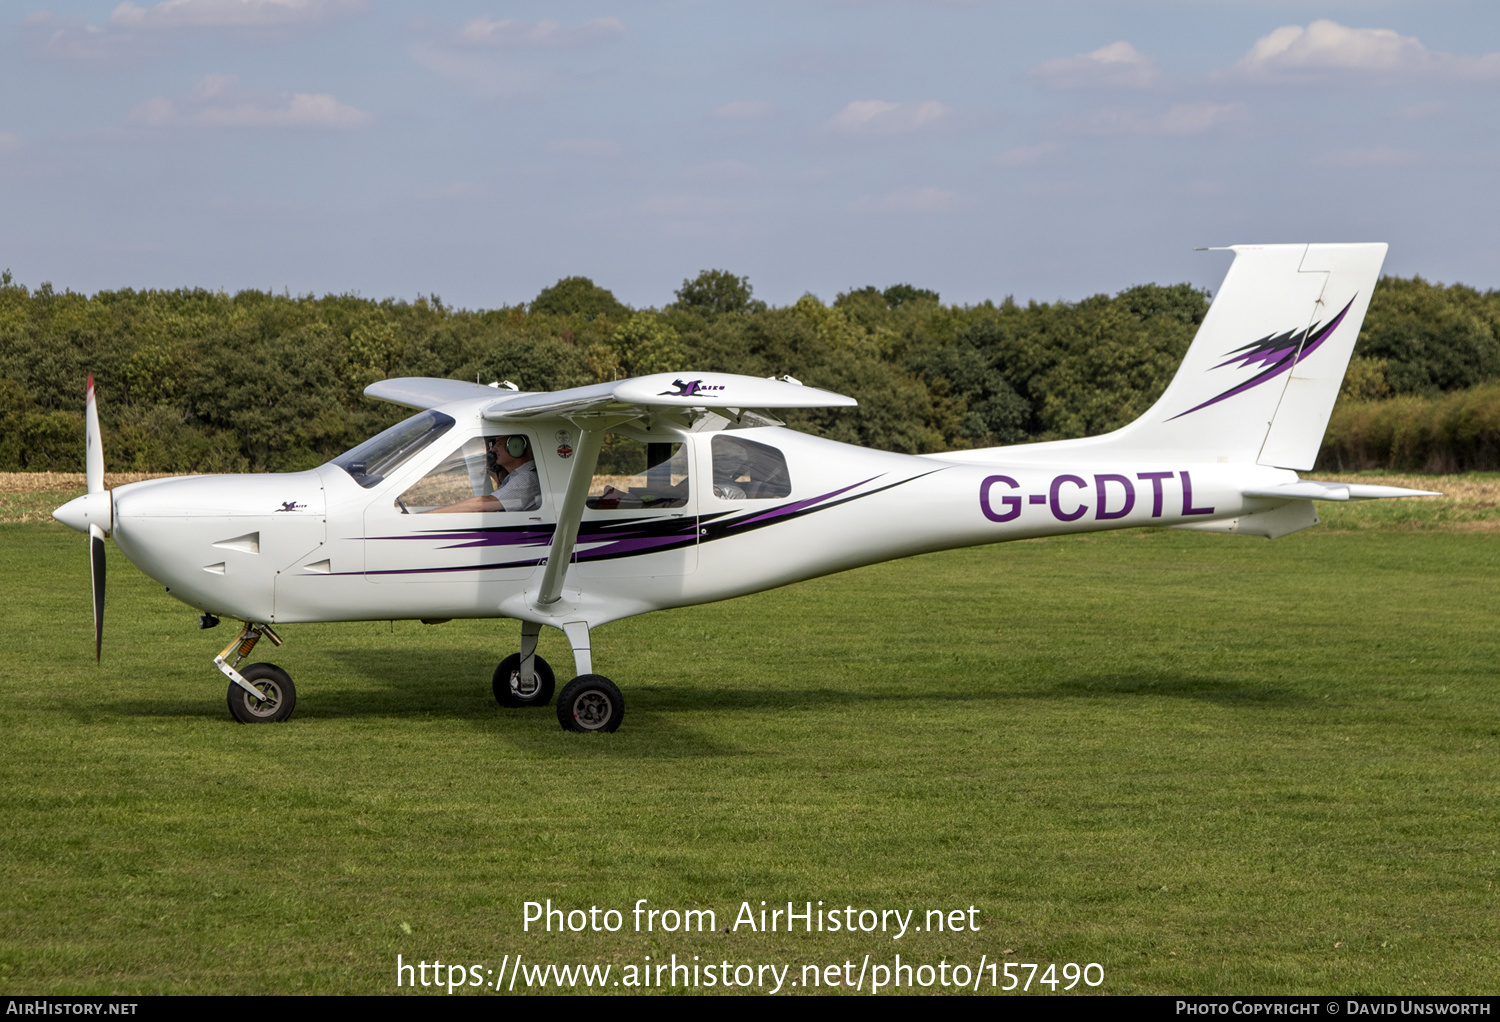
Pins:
x: 275, y: 685
x: 507, y: 685
x: 590, y: 703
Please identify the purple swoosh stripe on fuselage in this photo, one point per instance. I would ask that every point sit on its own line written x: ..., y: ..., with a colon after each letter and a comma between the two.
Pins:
x: 776, y: 516
x: 635, y: 542
x: 529, y: 562
x: 480, y: 537
x: 626, y: 538
x: 782, y: 512
x: 627, y: 546
x: 1310, y: 346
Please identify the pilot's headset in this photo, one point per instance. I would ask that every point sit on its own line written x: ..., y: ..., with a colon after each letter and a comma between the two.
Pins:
x: 515, y: 446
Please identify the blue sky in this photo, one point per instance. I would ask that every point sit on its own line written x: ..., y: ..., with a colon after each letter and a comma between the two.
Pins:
x: 481, y: 150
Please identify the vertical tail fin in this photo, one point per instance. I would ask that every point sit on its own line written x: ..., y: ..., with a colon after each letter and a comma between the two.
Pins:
x: 1259, y: 381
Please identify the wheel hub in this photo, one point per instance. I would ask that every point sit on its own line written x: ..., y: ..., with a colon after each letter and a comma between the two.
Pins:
x: 592, y: 710
x: 270, y: 698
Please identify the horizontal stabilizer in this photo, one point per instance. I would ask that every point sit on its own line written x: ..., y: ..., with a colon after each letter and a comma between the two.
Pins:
x: 666, y: 391
x: 1311, y: 489
x: 426, y: 391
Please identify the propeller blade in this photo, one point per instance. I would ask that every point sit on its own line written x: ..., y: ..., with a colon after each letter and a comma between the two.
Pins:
x: 93, y: 463
x: 96, y: 575
x: 93, y: 442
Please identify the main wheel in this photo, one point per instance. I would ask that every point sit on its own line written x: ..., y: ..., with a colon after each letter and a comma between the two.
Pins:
x: 590, y: 702
x: 278, y: 696
x: 507, y: 685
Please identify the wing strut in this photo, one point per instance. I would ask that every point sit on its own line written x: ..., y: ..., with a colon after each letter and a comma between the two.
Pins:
x: 591, y: 430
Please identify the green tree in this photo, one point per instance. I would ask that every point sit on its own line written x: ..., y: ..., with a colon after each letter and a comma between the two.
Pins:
x: 1432, y: 338
x: 578, y: 296
x: 646, y: 344
x: 899, y: 294
x: 716, y: 292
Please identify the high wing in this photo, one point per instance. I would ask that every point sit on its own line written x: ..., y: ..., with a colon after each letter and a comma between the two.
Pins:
x: 634, y: 397
x: 667, y: 391
x: 427, y: 392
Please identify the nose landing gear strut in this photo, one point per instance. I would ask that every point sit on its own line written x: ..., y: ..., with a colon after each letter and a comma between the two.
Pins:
x: 261, y: 693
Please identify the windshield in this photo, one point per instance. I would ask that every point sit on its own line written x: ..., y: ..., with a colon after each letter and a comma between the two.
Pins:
x: 381, y: 455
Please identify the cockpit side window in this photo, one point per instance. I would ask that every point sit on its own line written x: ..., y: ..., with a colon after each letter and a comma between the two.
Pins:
x: 370, y: 462
x: 747, y: 469
x: 485, y: 474
x: 639, y: 474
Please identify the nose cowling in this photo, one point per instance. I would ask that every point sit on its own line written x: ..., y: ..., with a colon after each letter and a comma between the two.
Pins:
x: 90, y: 509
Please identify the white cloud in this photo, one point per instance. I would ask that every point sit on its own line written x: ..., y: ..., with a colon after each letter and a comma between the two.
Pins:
x: 587, y: 148
x: 478, y: 73
x: 296, y: 110
x: 1180, y: 119
x: 911, y: 200
x: 76, y: 42
x: 1294, y: 51
x: 133, y: 33
x: 1375, y: 156
x: 538, y: 34
x: 213, y: 85
x: 877, y: 117
x: 1020, y: 156
x: 1118, y: 65
x: 230, y: 13
x: 742, y: 110
x: 501, y: 60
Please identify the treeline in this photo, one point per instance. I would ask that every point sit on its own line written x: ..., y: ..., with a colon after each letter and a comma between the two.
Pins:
x: 1457, y: 432
x: 194, y: 380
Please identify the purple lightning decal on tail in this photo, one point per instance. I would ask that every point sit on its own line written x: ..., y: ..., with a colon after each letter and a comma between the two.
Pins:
x: 1277, y: 352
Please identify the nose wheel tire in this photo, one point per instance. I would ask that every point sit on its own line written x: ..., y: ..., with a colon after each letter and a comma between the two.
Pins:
x: 507, y: 685
x: 590, y: 703
x: 278, y: 696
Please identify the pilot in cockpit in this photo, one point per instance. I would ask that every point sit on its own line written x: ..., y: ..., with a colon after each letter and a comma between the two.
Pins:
x: 512, y: 465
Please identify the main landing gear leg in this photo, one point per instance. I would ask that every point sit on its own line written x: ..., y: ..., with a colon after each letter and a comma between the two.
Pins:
x: 590, y: 702
x: 260, y: 693
x: 524, y: 679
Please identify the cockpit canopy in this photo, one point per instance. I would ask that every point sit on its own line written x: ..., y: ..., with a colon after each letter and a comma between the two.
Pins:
x: 370, y: 462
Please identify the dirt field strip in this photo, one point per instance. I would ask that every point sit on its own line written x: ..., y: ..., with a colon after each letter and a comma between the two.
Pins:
x: 32, y: 496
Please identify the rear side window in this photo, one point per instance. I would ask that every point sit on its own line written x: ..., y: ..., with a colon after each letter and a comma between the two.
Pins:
x: 746, y: 469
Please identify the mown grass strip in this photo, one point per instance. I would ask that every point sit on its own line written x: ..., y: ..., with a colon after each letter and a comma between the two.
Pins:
x: 1209, y: 763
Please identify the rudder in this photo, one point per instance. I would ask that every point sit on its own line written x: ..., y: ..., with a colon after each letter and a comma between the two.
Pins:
x: 1260, y: 378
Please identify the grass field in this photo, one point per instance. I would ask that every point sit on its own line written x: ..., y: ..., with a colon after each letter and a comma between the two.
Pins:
x: 1208, y: 763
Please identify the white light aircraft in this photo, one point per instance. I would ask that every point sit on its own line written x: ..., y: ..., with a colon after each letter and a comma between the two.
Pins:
x: 579, y: 507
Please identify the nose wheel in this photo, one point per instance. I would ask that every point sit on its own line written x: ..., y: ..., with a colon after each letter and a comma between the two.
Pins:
x: 261, y: 693
x: 278, y: 696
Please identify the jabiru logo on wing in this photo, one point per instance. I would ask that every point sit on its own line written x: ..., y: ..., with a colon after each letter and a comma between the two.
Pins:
x: 690, y: 388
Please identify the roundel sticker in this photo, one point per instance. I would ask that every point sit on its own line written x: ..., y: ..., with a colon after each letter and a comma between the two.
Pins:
x: 564, y: 444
